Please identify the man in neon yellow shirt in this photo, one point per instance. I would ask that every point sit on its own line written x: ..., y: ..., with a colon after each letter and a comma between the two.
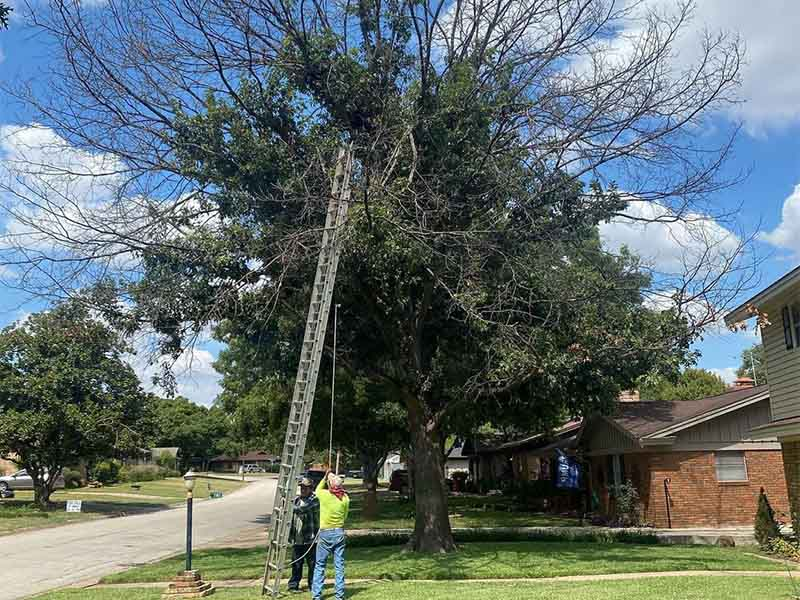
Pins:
x: 334, y: 504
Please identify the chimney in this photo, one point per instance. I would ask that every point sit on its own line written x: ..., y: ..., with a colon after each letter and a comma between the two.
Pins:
x: 629, y: 396
x: 743, y: 382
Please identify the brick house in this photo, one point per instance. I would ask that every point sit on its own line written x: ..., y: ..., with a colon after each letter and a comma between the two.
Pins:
x: 694, y: 463
x: 780, y: 333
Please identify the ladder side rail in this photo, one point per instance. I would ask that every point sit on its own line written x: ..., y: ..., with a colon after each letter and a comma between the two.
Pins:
x: 308, y: 370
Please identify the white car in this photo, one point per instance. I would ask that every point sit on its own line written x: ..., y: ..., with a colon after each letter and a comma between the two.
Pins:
x: 22, y: 481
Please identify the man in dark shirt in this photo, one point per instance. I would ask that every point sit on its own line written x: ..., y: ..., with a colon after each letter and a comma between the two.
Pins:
x: 303, y: 533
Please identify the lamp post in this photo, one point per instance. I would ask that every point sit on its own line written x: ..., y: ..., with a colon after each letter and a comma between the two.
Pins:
x: 188, y: 482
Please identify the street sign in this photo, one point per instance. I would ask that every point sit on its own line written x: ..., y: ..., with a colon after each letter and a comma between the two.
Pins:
x: 74, y: 506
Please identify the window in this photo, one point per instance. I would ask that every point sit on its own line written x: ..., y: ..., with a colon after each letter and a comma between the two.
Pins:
x: 787, y: 328
x: 731, y: 466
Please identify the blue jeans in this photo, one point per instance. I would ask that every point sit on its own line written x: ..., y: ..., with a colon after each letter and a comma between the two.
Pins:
x: 331, y: 541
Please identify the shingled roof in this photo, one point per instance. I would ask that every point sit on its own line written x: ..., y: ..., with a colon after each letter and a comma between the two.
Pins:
x: 644, y: 419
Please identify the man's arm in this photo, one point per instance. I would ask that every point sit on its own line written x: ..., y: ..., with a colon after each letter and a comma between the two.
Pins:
x: 323, y: 484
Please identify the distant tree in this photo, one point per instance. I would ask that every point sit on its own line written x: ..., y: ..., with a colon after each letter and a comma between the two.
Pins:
x: 66, y: 394
x: 754, y: 364
x: 691, y: 384
x: 179, y: 422
x: 5, y: 12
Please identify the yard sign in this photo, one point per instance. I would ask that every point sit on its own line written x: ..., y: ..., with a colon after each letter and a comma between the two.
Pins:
x: 74, y: 506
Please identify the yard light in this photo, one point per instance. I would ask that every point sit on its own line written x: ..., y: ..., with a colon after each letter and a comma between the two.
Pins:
x: 188, y: 482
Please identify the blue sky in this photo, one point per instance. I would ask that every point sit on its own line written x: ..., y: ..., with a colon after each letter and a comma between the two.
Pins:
x: 768, y: 147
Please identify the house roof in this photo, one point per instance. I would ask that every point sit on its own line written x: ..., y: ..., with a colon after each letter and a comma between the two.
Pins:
x: 741, y: 313
x: 658, y: 419
x: 539, y: 439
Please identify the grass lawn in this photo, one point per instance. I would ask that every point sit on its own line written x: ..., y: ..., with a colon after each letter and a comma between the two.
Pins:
x: 20, y: 513
x: 465, y: 511
x: 688, y: 588
x: 490, y: 560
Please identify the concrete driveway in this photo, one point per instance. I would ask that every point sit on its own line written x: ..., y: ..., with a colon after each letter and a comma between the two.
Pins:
x: 38, y: 561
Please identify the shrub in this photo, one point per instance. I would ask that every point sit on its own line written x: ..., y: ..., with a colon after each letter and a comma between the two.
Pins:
x: 628, y: 506
x: 106, y: 471
x: 766, y: 527
x: 72, y: 478
x: 167, y: 462
x: 783, y: 548
x: 138, y: 473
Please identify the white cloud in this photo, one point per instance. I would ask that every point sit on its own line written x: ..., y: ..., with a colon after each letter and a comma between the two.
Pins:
x: 787, y: 233
x: 770, y: 77
x: 195, y: 376
x: 669, y: 247
x: 728, y: 374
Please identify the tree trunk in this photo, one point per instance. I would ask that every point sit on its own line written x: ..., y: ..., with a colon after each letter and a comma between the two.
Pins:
x: 370, y: 467
x: 432, y: 531
x: 42, y: 488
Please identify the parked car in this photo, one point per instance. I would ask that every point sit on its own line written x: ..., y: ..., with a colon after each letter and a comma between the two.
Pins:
x: 22, y: 481
x: 354, y: 474
x: 399, y: 481
x: 252, y: 468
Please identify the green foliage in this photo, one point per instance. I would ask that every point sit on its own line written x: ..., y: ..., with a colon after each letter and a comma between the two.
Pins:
x: 628, y: 506
x: 783, y: 548
x: 178, y: 422
x: 691, y: 384
x: 66, y: 394
x: 106, y: 471
x: 136, y: 473
x: 72, y: 478
x: 754, y: 364
x: 167, y: 462
x: 766, y: 527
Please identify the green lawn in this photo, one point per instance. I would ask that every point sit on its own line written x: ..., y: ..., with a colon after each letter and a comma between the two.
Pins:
x: 465, y: 511
x: 20, y: 513
x: 496, y: 560
x: 688, y: 588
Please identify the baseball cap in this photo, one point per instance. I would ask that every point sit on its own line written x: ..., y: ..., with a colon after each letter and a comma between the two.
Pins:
x: 306, y: 482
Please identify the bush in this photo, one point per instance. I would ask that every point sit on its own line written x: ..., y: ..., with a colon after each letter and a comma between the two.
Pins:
x: 72, y: 478
x: 766, y: 527
x: 783, y: 548
x: 628, y: 506
x: 167, y: 462
x: 138, y: 473
x: 107, y: 471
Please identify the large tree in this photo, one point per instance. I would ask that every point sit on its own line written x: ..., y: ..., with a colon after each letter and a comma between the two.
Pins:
x: 66, y: 394
x: 754, y: 364
x: 691, y: 384
x: 368, y: 422
x: 486, y: 140
x: 179, y: 422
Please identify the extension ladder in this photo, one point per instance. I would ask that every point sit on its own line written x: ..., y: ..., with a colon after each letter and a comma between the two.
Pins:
x: 306, y: 382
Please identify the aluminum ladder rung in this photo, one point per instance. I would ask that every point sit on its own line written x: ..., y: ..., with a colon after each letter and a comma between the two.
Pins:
x: 307, y: 371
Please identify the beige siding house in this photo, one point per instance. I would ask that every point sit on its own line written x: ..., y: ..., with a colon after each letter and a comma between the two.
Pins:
x: 780, y: 331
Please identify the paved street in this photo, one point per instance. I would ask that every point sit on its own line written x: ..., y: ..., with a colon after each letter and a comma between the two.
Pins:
x: 37, y: 561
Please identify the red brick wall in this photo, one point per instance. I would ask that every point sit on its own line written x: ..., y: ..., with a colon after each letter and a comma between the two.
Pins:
x: 697, y: 498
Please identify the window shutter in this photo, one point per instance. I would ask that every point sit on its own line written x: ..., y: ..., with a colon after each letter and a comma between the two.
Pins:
x: 787, y: 328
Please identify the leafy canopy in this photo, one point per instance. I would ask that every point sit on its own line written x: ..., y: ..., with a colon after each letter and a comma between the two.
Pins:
x: 66, y: 394
x: 691, y: 384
